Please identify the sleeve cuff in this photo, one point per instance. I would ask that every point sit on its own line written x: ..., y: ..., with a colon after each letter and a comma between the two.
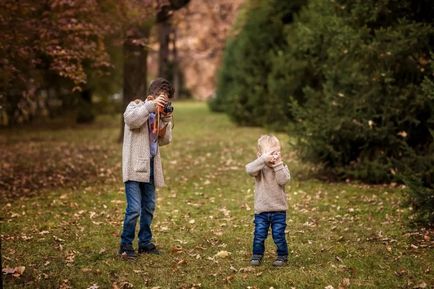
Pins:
x: 262, y: 158
x: 278, y: 166
x: 150, y: 106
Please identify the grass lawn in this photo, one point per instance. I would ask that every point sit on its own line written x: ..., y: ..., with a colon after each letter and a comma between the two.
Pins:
x: 66, y: 233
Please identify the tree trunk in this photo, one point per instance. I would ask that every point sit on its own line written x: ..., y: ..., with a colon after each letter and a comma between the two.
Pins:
x: 86, y: 112
x: 175, y: 67
x: 164, y: 31
x: 167, y: 68
x: 135, y: 70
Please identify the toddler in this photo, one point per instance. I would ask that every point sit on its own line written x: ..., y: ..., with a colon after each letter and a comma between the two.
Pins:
x: 271, y: 175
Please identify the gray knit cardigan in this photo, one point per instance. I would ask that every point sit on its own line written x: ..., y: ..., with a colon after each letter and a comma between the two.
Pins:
x: 135, y: 149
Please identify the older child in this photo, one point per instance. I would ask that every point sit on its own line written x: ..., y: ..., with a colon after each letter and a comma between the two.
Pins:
x: 271, y: 175
x: 141, y: 164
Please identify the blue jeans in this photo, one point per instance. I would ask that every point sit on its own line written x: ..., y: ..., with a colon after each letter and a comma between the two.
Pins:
x: 140, y: 202
x: 277, y: 221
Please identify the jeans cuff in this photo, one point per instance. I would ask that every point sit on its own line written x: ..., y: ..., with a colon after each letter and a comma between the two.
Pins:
x: 148, y: 246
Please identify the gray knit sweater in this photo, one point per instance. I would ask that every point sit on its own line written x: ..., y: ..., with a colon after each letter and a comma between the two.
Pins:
x: 135, y: 149
x: 269, y: 185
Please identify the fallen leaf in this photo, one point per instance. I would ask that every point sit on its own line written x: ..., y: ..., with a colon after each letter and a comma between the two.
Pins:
x: 8, y: 270
x: 58, y: 239
x: 16, y: 272
x: 70, y: 257
x: 164, y: 229
x: 222, y: 254
x: 122, y: 285
x: 247, y: 270
x: 177, y: 249
x: 65, y: 284
x: 345, y: 283
x: 421, y: 285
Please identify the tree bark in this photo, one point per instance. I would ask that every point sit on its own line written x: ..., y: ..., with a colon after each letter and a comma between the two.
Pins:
x: 175, y: 66
x: 164, y: 31
x: 135, y: 70
x: 85, y: 113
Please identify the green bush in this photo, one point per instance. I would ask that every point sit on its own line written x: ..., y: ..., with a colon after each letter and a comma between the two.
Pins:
x: 364, y: 107
x: 242, y: 86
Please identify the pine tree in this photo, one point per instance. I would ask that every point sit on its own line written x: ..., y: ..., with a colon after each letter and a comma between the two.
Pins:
x: 242, y: 88
x: 366, y: 107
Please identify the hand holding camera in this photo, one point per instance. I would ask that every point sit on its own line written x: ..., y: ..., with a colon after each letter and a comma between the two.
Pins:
x: 160, y: 101
x: 164, y: 105
x: 164, y: 111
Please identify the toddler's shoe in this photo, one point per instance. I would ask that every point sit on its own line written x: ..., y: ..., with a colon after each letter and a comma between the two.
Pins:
x: 149, y: 249
x: 256, y: 260
x: 127, y: 251
x: 280, y: 261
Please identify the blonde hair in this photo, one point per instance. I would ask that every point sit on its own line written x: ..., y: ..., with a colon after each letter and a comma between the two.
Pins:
x: 268, y: 143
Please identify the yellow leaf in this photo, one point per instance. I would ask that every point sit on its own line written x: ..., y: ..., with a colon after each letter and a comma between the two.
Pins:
x: 222, y: 254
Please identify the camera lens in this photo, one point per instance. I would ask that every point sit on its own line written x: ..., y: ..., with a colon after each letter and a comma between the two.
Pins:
x: 168, y: 108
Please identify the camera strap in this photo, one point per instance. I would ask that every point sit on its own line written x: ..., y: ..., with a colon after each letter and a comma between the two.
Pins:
x: 156, y: 124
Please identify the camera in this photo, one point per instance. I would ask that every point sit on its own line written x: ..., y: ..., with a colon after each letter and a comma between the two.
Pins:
x: 168, y: 108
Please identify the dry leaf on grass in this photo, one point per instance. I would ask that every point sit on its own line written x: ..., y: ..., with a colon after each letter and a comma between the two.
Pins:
x: 122, y: 285
x: 16, y: 272
x: 421, y: 285
x: 65, y: 284
x: 345, y: 283
x: 222, y: 254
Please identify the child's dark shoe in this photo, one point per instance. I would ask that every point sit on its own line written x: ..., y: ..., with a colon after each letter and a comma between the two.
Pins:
x: 127, y: 251
x: 149, y: 249
x: 280, y: 261
x: 256, y: 260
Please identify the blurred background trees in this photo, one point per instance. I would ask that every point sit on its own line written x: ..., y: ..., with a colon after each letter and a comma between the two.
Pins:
x: 69, y: 57
x: 352, y: 80
x: 51, y: 50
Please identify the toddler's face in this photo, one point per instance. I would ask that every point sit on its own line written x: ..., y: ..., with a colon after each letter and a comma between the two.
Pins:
x: 269, y: 149
x: 272, y: 151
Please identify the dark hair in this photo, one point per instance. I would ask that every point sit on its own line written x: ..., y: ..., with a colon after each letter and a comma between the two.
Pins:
x: 161, y: 85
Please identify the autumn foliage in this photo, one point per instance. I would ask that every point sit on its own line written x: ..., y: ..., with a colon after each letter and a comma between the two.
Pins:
x: 60, y: 43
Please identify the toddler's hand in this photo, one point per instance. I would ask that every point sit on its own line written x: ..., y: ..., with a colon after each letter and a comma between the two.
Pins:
x: 268, y: 157
x: 276, y: 157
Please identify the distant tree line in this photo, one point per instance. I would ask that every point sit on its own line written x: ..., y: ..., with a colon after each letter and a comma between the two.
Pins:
x: 60, y: 56
x: 352, y: 80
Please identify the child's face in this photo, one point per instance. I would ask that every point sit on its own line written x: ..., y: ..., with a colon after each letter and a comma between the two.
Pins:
x: 163, y: 93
